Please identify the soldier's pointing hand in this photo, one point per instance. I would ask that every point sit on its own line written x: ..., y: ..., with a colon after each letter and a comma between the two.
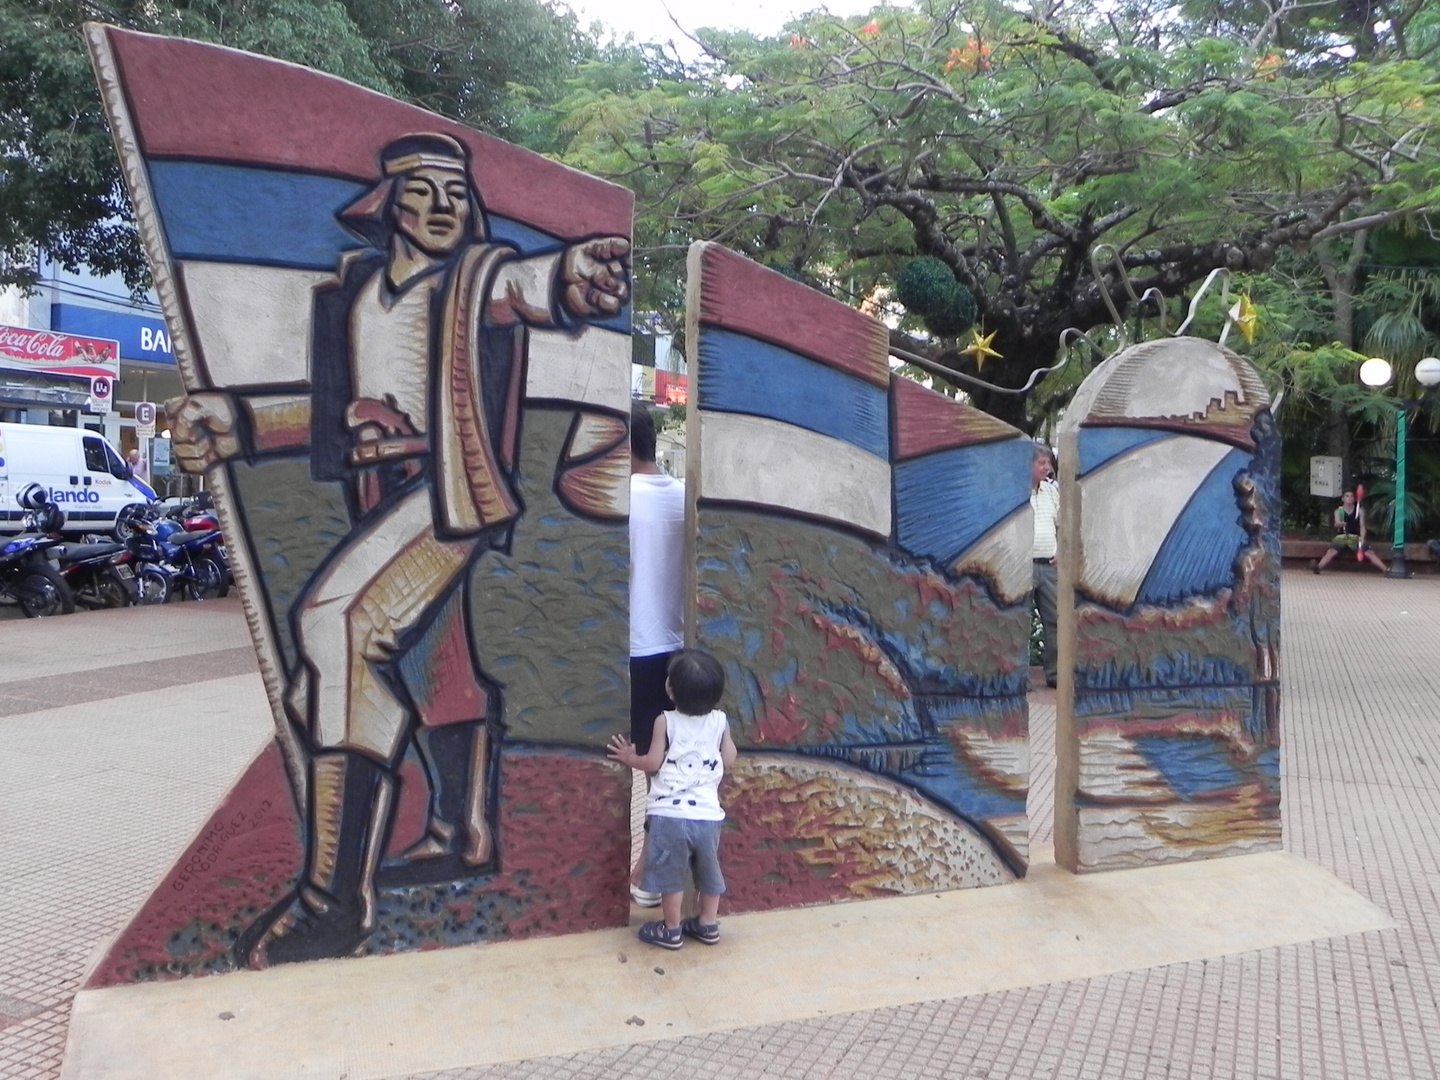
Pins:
x: 203, y: 430
x: 596, y: 277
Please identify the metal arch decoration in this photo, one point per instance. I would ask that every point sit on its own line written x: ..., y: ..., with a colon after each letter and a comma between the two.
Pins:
x: 1123, y: 276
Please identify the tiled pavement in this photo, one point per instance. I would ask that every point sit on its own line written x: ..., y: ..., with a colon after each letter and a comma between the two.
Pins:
x: 1362, y: 790
x: 97, y: 799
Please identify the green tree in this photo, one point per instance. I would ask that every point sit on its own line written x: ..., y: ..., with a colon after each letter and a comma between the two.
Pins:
x: 60, y: 188
x: 1012, y: 141
x: 478, y: 61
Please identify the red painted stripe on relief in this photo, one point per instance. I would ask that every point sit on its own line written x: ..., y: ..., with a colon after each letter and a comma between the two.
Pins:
x: 743, y: 296
x: 926, y: 421
x: 191, y: 100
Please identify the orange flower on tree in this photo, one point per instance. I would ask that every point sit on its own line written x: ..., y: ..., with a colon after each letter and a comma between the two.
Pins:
x: 872, y: 27
x: 975, y: 56
x: 1269, y: 66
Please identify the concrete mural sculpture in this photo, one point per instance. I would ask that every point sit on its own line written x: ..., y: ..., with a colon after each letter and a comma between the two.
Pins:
x: 1168, y: 737
x: 862, y: 571
x: 406, y: 352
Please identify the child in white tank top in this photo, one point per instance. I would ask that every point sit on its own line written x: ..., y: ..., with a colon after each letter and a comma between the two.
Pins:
x: 688, y: 754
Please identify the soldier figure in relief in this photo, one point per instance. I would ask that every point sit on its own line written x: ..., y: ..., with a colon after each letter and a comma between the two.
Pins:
x: 417, y: 364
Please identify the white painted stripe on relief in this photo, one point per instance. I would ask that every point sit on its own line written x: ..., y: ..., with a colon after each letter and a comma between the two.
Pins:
x: 765, y: 463
x: 1130, y: 504
x: 252, y: 322
x: 592, y: 366
x: 1003, y: 556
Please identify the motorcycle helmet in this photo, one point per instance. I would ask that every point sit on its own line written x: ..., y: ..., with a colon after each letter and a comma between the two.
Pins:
x: 33, y: 496
x: 48, y: 518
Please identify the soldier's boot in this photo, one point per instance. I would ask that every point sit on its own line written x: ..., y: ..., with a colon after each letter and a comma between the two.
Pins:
x: 446, y: 810
x: 333, y: 910
x: 436, y: 747
x: 479, y: 840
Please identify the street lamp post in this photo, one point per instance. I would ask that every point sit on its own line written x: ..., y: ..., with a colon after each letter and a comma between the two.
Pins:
x: 1376, y: 372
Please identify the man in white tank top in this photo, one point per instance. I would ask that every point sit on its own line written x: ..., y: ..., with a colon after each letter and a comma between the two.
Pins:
x: 657, y: 589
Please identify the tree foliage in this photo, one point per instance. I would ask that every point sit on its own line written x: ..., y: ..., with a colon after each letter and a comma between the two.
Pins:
x: 60, y: 190
x: 1323, y: 406
x: 1013, y: 141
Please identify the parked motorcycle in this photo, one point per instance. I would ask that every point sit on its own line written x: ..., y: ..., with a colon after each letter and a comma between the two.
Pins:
x: 94, y: 575
x: 197, y: 514
x: 153, y: 579
x: 27, y: 578
x: 192, y: 561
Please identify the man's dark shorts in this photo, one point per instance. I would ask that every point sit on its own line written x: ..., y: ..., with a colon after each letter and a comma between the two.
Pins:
x: 647, y: 697
x: 674, y: 845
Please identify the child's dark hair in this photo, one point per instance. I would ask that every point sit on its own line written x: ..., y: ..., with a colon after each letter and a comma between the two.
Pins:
x: 697, y: 682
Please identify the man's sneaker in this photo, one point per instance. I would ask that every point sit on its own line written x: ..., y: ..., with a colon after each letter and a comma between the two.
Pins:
x: 657, y: 933
x: 643, y: 898
x: 691, y: 927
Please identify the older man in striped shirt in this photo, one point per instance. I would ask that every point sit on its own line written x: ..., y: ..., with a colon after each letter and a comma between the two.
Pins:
x: 1045, y: 502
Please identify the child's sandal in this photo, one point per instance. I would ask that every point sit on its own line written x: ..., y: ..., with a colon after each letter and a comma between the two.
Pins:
x: 710, y: 935
x: 657, y: 933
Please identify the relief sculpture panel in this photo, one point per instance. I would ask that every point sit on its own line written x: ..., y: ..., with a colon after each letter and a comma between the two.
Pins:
x: 862, y: 571
x: 1172, y: 725
x: 405, y: 349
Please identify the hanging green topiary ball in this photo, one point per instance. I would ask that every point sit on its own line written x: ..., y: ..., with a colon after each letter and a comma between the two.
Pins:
x: 958, y: 318
x: 927, y: 287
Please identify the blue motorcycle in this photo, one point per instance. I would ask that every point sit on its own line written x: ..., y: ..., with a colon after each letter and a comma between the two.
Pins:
x: 27, y: 577
x: 192, y: 560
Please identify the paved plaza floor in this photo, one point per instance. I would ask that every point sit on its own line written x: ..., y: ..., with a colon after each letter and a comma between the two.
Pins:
x: 119, y: 731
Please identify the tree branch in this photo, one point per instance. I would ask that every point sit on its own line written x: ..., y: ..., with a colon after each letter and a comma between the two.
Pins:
x: 1063, y: 43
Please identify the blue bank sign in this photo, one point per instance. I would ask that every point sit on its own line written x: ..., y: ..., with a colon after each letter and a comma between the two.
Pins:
x: 141, y: 337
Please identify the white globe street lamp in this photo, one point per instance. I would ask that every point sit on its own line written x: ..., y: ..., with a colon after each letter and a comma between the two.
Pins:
x: 1427, y: 372
x: 1375, y: 372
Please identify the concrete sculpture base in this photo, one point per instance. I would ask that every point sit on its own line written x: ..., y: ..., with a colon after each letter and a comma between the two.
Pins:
x: 606, y: 989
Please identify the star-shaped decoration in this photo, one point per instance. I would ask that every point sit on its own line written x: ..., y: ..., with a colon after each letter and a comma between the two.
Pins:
x: 1246, y: 318
x: 979, y: 348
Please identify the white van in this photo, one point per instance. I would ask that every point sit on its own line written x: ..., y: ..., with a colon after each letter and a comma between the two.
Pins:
x: 84, y: 474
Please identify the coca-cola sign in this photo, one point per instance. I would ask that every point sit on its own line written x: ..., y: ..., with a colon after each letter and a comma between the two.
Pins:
x: 50, y: 353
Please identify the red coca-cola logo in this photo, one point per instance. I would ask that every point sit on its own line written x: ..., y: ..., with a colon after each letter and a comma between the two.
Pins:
x: 45, y: 348
x: 40, y: 343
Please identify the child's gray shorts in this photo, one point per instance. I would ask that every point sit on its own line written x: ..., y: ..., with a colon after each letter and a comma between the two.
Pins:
x: 677, y: 843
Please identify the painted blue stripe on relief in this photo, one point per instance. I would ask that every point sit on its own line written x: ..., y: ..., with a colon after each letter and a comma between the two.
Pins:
x: 1193, y: 767
x: 1198, y: 555
x: 521, y: 236
x: 1155, y: 700
x: 934, y: 769
x: 741, y: 374
x: 946, y: 501
x: 232, y: 214
x: 1101, y: 444
x: 1164, y: 671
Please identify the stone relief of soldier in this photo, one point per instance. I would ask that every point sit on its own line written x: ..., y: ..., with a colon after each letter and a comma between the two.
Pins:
x: 417, y: 365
